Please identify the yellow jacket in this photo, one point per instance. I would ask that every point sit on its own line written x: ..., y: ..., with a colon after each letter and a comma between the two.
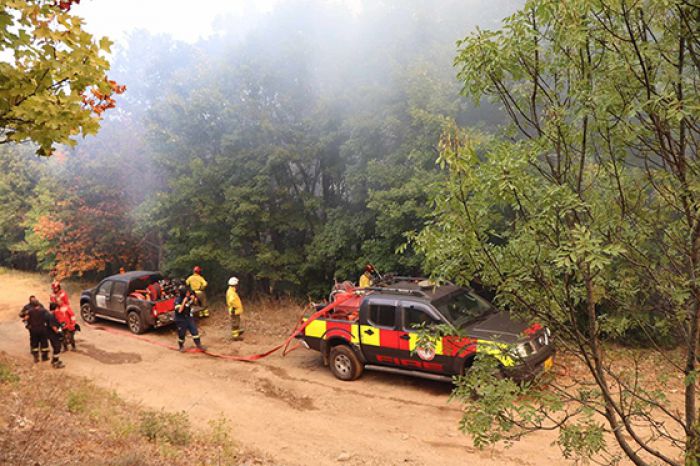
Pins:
x: 365, y: 280
x: 233, y: 301
x: 196, y: 282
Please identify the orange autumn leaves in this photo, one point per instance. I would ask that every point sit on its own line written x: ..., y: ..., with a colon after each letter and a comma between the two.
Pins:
x: 100, y: 101
x: 86, y: 238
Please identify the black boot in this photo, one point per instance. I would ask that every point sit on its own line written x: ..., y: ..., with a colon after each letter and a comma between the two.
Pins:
x: 182, y: 346
x: 200, y: 346
x: 56, y: 363
x: 36, y: 356
x: 44, y: 355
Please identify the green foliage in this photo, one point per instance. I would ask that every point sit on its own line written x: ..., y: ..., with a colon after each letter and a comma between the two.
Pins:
x: 582, y: 214
x: 162, y: 426
x: 19, y: 176
x: 7, y: 375
x: 77, y: 401
x: 53, y: 62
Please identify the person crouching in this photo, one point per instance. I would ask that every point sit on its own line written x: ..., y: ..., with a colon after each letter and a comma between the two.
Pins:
x: 66, y: 319
x: 184, y: 320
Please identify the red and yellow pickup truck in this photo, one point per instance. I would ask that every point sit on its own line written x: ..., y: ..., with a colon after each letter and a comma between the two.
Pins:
x: 378, y: 328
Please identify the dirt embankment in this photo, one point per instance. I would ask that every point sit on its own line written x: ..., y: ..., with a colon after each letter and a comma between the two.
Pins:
x: 290, y: 408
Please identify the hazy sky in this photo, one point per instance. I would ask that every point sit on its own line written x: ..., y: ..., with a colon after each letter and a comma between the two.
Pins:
x: 185, y: 19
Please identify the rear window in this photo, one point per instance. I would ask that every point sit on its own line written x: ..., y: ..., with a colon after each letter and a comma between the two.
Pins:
x: 382, y: 315
x: 141, y: 283
x: 119, y: 289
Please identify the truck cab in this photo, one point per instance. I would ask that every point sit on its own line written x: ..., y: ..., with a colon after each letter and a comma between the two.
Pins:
x: 125, y: 298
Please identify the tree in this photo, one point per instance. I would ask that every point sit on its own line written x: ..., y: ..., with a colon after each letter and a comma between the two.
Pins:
x: 54, y: 86
x: 584, y: 215
x: 19, y: 176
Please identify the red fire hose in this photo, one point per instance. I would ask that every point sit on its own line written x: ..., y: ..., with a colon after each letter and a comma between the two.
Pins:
x: 250, y: 358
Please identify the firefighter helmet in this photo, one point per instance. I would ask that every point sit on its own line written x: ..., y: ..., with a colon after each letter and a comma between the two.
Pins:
x: 233, y: 281
x: 197, y: 269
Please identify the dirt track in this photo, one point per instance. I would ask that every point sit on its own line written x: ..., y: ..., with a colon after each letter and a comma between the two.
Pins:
x: 290, y: 408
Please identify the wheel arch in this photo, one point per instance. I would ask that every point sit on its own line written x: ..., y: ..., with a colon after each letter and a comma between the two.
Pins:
x: 339, y: 338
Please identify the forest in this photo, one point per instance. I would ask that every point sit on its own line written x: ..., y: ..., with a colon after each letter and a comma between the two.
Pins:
x: 290, y: 152
x: 544, y: 151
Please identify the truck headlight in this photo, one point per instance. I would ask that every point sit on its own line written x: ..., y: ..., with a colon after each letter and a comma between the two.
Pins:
x: 522, y: 350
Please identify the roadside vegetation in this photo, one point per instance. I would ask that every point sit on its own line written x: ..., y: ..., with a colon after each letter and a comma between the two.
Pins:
x: 48, y: 417
x: 584, y: 215
x: 564, y: 181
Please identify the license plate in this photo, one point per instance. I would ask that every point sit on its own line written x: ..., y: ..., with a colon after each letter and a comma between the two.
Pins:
x: 548, y: 363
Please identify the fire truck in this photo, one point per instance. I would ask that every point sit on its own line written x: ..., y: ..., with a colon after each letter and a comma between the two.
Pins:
x: 379, y: 328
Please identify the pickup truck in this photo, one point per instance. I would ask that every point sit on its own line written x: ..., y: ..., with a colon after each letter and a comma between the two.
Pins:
x: 377, y: 328
x: 125, y: 298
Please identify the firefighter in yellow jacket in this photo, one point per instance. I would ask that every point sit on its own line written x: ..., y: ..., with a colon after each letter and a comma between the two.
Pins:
x: 198, y: 284
x: 235, y: 308
x: 366, y: 279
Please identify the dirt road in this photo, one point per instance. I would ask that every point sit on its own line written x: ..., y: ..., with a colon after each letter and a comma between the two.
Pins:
x: 290, y: 408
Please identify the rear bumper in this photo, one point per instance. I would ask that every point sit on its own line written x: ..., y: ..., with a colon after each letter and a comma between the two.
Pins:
x: 533, y: 366
x: 163, y: 319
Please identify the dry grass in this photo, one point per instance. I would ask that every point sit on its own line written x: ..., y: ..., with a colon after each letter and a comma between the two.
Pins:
x: 266, y: 321
x: 47, y: 417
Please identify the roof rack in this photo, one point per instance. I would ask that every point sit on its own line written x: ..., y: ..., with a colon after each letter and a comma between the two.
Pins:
x: 391, y: 279
x: 383, y: 289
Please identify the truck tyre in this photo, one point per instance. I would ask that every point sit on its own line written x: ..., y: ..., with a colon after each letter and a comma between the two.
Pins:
x: 344, y: 363
x: 87, y: 313
x: 135, y: 322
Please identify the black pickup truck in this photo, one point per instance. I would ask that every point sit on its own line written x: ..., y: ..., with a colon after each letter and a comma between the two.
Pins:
x: 129, y: 298
x: 377, y: 328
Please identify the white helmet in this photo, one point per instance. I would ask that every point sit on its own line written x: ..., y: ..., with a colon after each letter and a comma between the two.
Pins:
x: 233, y: 281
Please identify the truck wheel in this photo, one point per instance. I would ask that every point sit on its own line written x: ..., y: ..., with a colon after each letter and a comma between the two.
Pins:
x: 87, y: 313
x: 135, y: 322
x: 344, y: 363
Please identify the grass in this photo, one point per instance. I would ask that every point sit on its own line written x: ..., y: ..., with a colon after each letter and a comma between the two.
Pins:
x: 42, y: 411
x: 7, y: 375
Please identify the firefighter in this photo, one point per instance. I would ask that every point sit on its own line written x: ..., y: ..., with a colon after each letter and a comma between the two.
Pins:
x: 65, y: 314
x: 25, y: 311
x: 56, y: 336
x: 37, y: 319
x: 184, y: 320
x: 235, y: 308
x: 198, y: 284
x: 366, y: 279
x: 66, y: 319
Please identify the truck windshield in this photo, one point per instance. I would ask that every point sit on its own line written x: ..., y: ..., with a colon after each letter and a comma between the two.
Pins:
x: 464, y: 308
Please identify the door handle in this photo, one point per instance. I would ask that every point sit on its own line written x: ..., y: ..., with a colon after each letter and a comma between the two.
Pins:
x: 369, y: 331
x: 405, y: 336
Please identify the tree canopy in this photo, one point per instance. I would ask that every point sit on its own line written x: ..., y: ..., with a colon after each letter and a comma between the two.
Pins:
x: 53, y: 86
x: 584, y: 214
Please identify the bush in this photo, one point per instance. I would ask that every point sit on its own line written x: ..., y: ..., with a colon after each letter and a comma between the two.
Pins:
x: 77, y: 401
x: 173, y: 428
x: 7, y: 375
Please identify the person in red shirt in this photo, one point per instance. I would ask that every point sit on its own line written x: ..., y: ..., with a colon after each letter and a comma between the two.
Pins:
x: 64, y: 314
x: 155, y: 291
